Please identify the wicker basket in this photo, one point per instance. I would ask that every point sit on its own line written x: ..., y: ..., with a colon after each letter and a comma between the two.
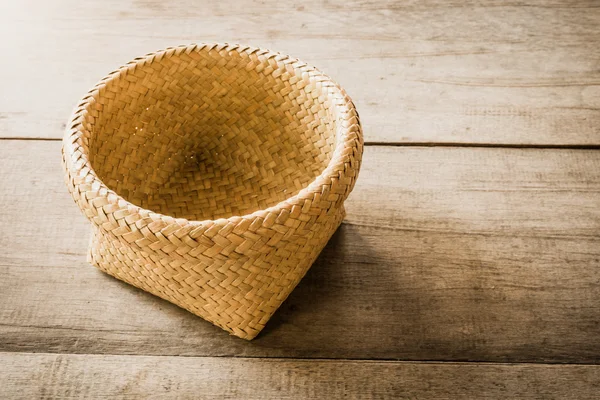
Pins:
x: 213, y: 176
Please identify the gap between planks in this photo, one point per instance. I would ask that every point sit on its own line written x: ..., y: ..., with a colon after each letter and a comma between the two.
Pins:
x: 418, y: 144
x: 319, y: 359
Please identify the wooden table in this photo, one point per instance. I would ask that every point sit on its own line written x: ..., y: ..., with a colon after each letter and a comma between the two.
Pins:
x: 468, y: 265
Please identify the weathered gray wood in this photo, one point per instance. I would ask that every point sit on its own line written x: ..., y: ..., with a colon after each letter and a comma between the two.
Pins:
x: 427, y: 71
x: 51, y: 376
x: 446, y: 254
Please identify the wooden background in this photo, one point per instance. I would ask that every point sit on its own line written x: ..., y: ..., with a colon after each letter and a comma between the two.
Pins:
x: 468, y: 265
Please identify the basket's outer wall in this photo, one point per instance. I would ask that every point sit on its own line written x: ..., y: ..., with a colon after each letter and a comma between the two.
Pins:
x: 233, y: 272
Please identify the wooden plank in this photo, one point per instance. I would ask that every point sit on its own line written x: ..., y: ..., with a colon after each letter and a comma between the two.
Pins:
x: 419, y: 72
x: 116, y: 377
x: 446, y: 254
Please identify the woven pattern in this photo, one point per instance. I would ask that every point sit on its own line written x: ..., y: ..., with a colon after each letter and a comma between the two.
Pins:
x: 213, y: 176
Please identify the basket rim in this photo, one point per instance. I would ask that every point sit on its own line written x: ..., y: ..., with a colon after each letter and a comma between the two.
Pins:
x: 76, y: 161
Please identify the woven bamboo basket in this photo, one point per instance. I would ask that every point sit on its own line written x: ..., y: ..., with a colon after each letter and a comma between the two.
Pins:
x: 213, y: 176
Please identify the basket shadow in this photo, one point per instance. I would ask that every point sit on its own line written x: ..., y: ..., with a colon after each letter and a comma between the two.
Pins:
x: 350, y: 287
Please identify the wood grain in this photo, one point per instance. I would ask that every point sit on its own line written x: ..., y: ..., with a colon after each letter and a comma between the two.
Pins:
x: 420, y: 72
x: 63, y: 376
x: 446, y: 254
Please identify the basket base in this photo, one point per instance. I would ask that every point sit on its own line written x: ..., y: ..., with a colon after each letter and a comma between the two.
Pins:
x: 237, y: 292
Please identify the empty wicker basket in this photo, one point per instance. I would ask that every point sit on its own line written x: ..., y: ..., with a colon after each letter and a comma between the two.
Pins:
x: 213, y: 176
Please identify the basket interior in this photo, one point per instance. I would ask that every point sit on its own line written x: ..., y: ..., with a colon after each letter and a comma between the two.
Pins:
x: 211, y: 134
